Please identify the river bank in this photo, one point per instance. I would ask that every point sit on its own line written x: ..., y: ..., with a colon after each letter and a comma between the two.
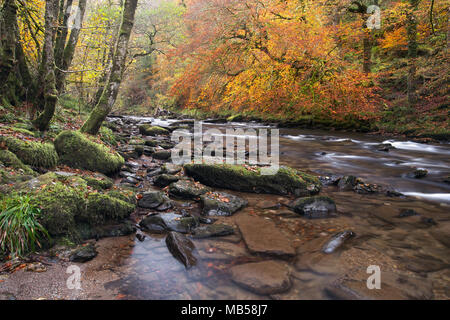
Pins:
x: 410, y: 249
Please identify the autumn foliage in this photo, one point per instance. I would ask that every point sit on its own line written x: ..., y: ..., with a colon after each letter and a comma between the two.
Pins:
x: 273, y: 57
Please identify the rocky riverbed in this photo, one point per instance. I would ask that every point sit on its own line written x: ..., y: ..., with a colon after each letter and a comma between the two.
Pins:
x: 220, y: 232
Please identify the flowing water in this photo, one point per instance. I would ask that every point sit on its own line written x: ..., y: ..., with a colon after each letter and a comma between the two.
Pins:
x: 412, y: 252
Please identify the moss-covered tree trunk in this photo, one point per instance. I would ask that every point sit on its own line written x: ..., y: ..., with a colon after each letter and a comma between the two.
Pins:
x: 8, y: 62
x: 412, y: 51
x: 109, y: 95
x: 69, y: 50
x: 48, y: 67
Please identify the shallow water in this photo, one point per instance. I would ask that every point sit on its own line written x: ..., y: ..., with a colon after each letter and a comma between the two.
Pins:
x: 412, y: 248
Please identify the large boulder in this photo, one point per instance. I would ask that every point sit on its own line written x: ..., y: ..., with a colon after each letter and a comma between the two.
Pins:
x: 240, y: 178
x: 78, y: 151
x: 32, y: 153
x: 68, y: 206
x: 221, y: 204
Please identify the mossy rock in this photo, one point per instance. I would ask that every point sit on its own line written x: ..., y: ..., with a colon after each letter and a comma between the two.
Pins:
x: 68, y: 204
x: 102, y: 207
x: 239, y: 178
x: 98, y: 181
x: 124, y: 194
x: 149, y: 130
x: 35, y: 154
x: 151, y: 143
x: 61, y: 204
x: 77, y: 151
x: 137, y: 141
x: 9, y: 159
x: 8, y: 177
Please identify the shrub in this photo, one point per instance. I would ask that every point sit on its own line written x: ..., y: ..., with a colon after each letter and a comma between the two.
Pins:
x: 20, y: 230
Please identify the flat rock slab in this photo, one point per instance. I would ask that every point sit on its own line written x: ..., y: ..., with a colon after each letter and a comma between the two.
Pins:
x: 267, y: 277
x: 262, y: 237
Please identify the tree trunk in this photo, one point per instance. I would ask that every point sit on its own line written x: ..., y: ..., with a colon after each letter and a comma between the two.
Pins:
x: 69, y: 49
x: 367, y: 50
x: 106, y: 66
x: 412, y: 52
x: 109, y: 95
x: 8, y: 62
x: 48, y: 70
x: 63, y: 30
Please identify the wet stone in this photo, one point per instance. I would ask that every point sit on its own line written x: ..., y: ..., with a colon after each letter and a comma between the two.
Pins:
x: 337, y: 241
x: 264, y: 278
x: 83, y: 253
x: 156, y: 200
x: 162, y: 155
x: 314, y: 207
x: 185, y: 189
x: 181, y: 248
x: 164, y: 222
x: 262, y: 237
x: 164, y: 180
x: 213, y: 230
x: 221, y: 204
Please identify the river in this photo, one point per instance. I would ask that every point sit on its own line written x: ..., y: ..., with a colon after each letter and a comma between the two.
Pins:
x: 412, y: 252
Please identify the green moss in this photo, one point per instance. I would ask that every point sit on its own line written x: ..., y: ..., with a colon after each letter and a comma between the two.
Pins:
x: 124, y: 195
x: 9, y: 159
x: 68, y: 205
x: 98, y: 181
x: 107, y: 136
x: 239, y: 178
x: 102, y: 207
x: 149, y: 130
x: 60, y: 205
x: 77, y: 151
x: 137, y: 141
x: 23, y: 131
x: 35, y: 154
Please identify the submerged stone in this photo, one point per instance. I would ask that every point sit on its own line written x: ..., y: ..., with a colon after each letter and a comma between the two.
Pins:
x: 262, y: 237
x: 264, y: 278
x: 337, y: 241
